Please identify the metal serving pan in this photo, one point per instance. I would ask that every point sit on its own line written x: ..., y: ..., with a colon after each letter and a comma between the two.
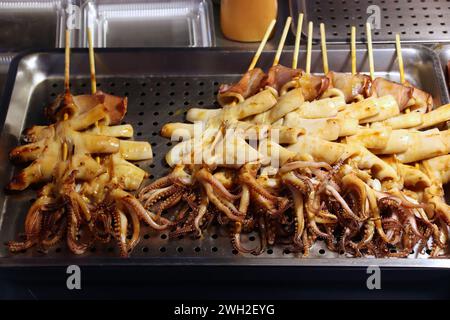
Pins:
x: 444, y: 55
x: 149, y: 23
x: 423, y: 21
x: 161, y: 85
x: 5, y: 60
x: 31, y: 23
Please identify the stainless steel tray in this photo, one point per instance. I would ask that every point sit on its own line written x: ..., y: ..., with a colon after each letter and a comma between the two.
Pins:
x: 415, y: 20
x: 444, y: 55
x: 5, y: 60
x: 161, y: 85
x: 149, y: 23
x: 30, y: 23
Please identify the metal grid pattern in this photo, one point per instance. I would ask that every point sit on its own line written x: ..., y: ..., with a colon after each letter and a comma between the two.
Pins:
x: 414, y: 20
x: 153, y: 102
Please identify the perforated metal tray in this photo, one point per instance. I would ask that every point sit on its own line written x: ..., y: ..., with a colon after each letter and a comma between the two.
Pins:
x: 161, y: 85
x: 414, y: 20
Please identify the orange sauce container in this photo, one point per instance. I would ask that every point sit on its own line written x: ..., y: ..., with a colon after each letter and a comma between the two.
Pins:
x: 246, y: 20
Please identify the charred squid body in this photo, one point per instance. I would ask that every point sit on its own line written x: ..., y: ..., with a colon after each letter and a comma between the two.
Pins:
x: 47, y: 150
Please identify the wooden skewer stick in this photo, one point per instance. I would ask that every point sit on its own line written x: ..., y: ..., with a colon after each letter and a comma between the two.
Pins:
x: 353, y: 49
x: 323, y: 40
x: 67, y: 62
x: 66, y: 83
x: 370, y: 50
x: 92, y: 71
x: 92, y: 62
x: 400, y: 63
x: 298, y: 36
x: 400, y: 58
x: 262, y: 45
x: 309, y: 48
x: 276, y: 60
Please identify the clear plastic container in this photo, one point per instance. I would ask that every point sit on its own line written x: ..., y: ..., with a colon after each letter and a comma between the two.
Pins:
x: 150, y: 23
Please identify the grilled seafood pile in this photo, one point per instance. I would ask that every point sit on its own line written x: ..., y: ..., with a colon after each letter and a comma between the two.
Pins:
x: 358, y: 163
x: 82, y: 160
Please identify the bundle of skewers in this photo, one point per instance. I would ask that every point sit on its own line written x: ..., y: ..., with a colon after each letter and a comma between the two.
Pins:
x: 354, y: 160
x: 361, y: 164
x: 82, y: 158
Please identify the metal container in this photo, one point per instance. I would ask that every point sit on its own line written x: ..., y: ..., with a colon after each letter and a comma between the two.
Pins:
x: 415, y: 20
x: 150, y: 23
x: 5, y: 60
x: 26, y: 24
x: 161, y: 85
x: 444, y: 55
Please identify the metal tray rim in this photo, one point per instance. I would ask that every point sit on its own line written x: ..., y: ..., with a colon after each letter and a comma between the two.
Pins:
x: 229, y: 262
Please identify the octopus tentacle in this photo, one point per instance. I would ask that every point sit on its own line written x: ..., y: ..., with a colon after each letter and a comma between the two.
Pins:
x: 223, y: 205
x: 73, y: 225
x: 237, y: 244
x: 133, y: 205
x: 202, y: 210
